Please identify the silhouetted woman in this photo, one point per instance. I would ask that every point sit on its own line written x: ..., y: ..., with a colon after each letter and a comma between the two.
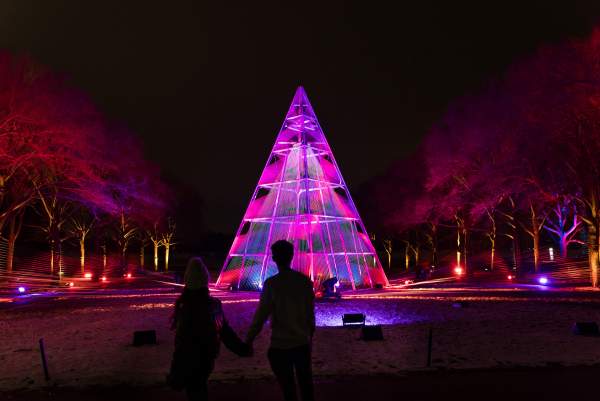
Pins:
x: 200, y: 326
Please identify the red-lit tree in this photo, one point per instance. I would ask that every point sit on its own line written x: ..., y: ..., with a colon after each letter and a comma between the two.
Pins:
x: 47, y: 147
x: 58, y: 154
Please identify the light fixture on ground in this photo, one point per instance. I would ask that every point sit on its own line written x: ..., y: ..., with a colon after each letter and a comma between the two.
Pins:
x: 353, y: 319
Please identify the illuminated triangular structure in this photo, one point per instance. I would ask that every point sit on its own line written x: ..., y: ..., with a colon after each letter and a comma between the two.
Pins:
x: 301, y: 197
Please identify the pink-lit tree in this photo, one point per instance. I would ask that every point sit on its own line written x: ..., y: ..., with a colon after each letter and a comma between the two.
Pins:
x: 559, y: 90
x: 564, y: 223
x: 47, y: 147
x: 58, y: 155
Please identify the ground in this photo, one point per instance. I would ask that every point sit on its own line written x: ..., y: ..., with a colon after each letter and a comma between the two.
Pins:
x: 508, y: 329
x: 466, y: 385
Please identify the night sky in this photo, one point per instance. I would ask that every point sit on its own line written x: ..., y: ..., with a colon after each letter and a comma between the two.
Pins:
x: 206, y: 84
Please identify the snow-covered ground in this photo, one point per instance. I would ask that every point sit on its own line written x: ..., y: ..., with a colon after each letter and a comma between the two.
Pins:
x: 89, y: 344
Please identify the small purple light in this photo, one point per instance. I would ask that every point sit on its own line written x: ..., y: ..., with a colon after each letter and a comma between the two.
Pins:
x: 21, y: 290
x: 543, y: 280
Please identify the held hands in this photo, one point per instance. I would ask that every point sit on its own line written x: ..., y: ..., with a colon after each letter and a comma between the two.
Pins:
x: 247, y: 350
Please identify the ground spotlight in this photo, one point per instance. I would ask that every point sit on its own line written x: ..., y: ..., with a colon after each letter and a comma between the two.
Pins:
x: 330, y: 288
x: 71, y: 284
x: 458, y: 270
x: 87, y: 275
x: 543, y: 280
x: 21, y: 290
x: 128, y: 275
x: 103, y: 279
x: 353, y: 319
x: 510, y: 277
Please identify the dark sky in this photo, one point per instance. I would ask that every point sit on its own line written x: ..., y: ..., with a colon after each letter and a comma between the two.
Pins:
x: 206, y: 84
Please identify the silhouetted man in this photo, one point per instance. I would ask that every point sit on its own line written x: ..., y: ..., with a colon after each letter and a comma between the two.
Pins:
x: 288, y: 298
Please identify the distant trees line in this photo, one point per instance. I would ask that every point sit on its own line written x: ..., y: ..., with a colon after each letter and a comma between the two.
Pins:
x: 73, y: 173
x: 517, y: 159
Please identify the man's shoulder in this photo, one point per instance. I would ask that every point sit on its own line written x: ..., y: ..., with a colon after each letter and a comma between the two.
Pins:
x: 301, y: 275
x: 285, y: 277
x: 302, y: 279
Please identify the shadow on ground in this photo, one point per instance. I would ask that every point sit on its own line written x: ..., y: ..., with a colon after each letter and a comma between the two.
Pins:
x: 552, y: 383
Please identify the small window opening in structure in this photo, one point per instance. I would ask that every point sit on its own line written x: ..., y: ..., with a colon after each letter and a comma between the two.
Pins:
x: 245, y: 228
x: 262, y: 192
x: 359, y: 228
x: 274, y: 159
x: 341, y: 192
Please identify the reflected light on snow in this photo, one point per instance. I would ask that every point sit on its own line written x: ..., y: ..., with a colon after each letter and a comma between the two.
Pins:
x: 330, y: 315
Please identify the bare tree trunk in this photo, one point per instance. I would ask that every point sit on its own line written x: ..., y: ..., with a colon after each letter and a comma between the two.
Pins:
x: 167, y: 247
x: 593, y: 252
x: 51, y: 257
x: 492, y: 237
x: 142, y: 254
x: 492, y: 255
x: 82, y: 253
x: 434, y: 249
x: 535, y: 235
x: 10, y: 255
x: 60, y: 261
x: 388, y: 247
x: 458, y: 247
x: 563, y: 247
x: 536, y: 252
x: 156, y: 256
x: 14, y: 229
x: 416, y: 252
x: 124, y: 257
x: 103, y: 247
x: 516, y: 252
x: 465, y: 267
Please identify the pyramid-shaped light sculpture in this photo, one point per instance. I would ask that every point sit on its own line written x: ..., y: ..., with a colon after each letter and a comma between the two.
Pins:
x: 301, y: 197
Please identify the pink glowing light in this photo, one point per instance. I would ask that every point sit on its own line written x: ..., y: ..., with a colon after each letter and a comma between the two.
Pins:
x: 510, y: 277
x: 87, y: 275
x: 301, y: 197
x: 103, y: 279
x: 128, y: 275
x: 458, y: 270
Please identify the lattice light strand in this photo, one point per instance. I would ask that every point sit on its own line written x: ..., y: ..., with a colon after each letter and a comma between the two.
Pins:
x: 301, y: 197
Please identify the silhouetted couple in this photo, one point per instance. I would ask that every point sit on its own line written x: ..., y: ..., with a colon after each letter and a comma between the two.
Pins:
x: 200, y: 324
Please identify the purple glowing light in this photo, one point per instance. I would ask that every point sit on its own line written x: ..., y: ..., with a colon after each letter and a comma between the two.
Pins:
x: 301, y: 197
x: 543, y: 280
x: 21, y: 290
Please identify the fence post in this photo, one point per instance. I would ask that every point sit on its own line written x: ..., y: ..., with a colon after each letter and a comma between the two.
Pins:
x: 429, y: 343
x: 44, y: 363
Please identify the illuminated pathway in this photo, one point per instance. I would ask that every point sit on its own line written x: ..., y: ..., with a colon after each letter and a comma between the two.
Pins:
x: 162, y: 294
